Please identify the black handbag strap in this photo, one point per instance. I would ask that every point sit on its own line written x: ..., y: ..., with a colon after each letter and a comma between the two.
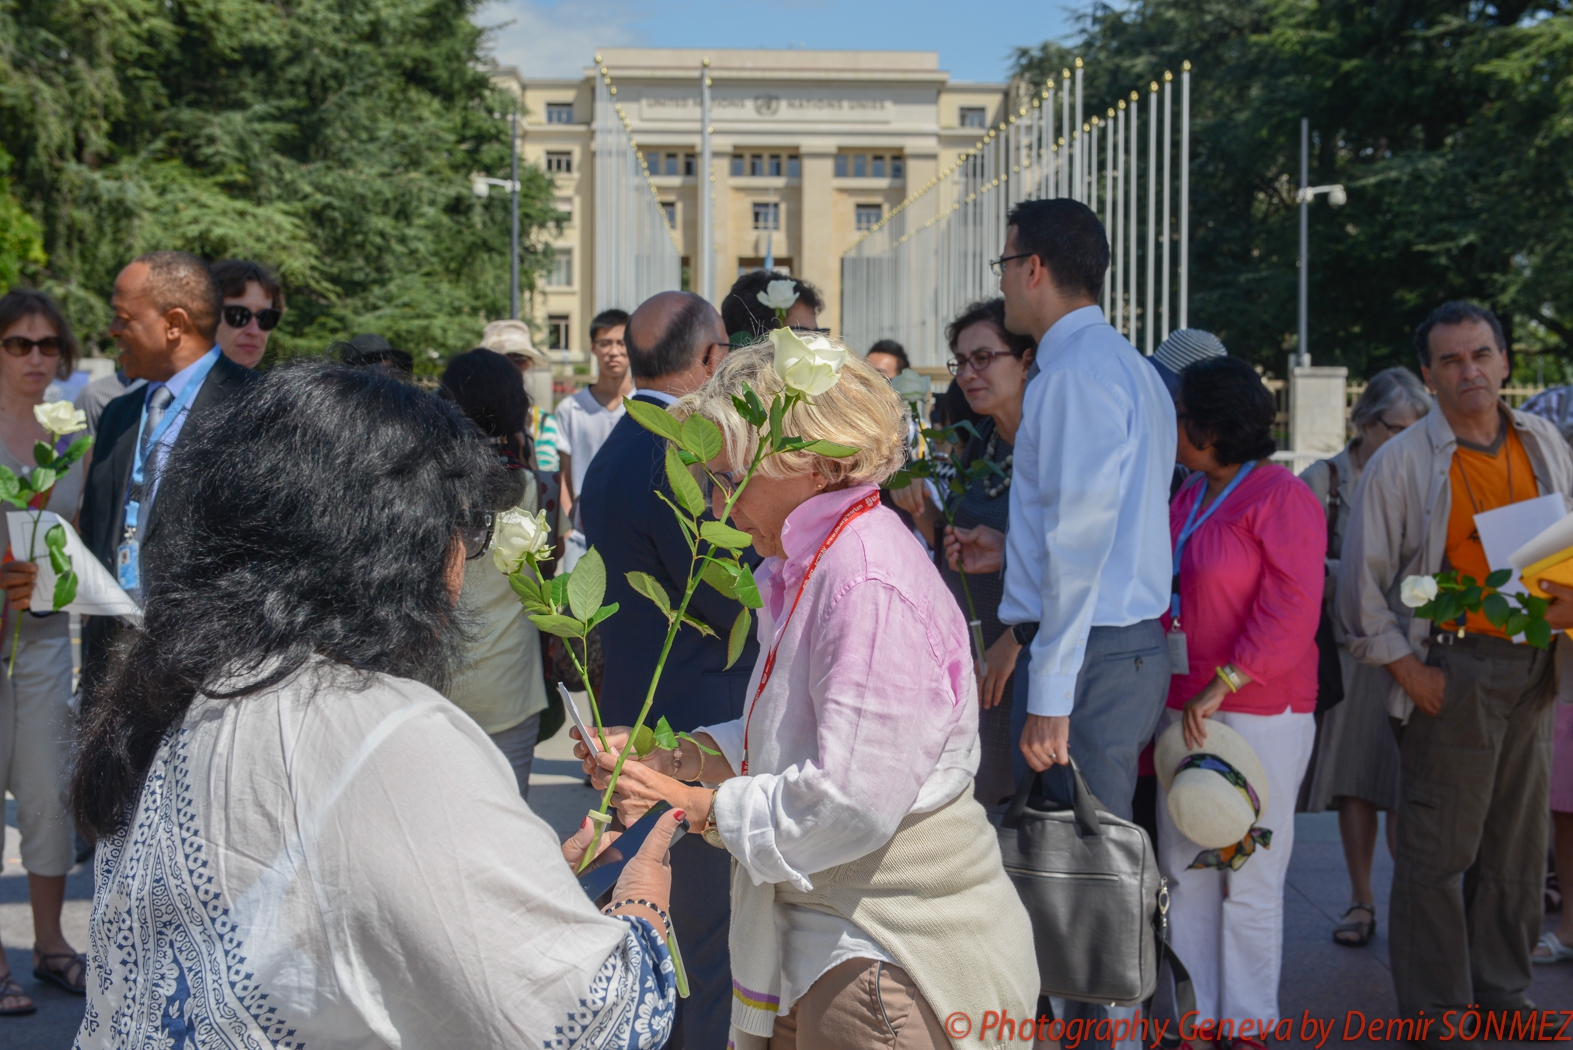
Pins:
x: 1084, y: 802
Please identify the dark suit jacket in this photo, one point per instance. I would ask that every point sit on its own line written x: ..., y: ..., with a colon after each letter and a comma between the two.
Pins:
x: 104, y: 497
x: 634, y: 531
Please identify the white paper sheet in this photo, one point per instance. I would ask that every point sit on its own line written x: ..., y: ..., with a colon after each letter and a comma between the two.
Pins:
x: 1505, y: 530
x: 97, y: 593
x: 1559, y: 537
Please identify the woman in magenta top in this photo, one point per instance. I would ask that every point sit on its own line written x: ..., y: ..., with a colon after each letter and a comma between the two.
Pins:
x: 1250, y: 539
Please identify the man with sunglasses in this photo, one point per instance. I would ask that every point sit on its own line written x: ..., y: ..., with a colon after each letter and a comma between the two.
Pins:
x: 253, y: 307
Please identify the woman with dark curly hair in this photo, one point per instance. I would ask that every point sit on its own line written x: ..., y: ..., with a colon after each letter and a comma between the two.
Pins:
x: 1249, y: 539
x: 301, y: 842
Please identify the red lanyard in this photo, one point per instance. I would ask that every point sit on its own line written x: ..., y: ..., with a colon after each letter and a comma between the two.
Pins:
x: 862, y: 506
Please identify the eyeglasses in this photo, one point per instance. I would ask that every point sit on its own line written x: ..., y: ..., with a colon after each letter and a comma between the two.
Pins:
x: 240, y: 317
x: 607, y: 344
x: 800, y: 330
x: 997, y: 266
x: 722, y: 481
x: 21, y: 346
x: 978, y: 360
x: 475, y: 532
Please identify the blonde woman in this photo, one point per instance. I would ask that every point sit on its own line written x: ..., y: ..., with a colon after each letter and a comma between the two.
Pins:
x: 35, y: 721
x: 868, y: 898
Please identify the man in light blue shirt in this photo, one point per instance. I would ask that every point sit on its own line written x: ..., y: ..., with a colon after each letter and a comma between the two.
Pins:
x: 1087, y: 555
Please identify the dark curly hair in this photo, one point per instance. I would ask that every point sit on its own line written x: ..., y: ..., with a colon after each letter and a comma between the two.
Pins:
x: 741, y: 310
x: 988, y: 311
x: 1224, y: 405
x: 311, y: 516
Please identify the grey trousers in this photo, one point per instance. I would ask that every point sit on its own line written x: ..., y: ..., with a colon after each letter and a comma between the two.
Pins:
x: 1467, y: 881
x: 1120, y: 694
x: 518, y: 746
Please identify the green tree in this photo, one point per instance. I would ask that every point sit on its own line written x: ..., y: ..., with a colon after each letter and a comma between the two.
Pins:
x: 332, y: 139
x: 1448, y: 122
x: 21, y: 240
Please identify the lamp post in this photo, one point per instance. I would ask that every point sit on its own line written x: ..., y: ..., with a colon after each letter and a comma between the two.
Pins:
x: 1337, y: 197
x: 481, y: 186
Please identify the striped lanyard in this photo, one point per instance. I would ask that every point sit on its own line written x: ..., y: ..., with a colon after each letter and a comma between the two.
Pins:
x: 861, y: 507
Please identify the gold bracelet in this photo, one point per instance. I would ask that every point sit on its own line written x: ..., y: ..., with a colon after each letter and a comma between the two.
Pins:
x: 699, y: 778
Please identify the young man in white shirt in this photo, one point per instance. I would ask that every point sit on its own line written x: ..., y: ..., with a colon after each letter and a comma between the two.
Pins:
x: 1088, y: 570
x: 585, y: 418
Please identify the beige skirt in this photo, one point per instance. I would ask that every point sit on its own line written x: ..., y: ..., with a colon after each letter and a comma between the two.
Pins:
x: 1356, y: 753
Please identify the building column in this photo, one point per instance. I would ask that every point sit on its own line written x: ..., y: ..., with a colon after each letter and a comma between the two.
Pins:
x: 818, y: 259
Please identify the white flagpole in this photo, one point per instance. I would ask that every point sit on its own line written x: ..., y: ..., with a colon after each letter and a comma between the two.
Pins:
x: 1067, y: 134
x: 1168, y: 151
x: 1137, y: 317
x: 1119, y: 220
x: 1185, y: 192
x: 1081, y: 143
x: 1152, y: 208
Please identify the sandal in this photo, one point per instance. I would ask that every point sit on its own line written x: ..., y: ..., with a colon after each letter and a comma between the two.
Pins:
x: 1556, y: 951
x: 1356, y: 933
x: 9, y: 989
x: 72, y: 976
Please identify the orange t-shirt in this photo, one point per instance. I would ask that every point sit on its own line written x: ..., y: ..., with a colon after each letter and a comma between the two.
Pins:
x: 1482, y: 481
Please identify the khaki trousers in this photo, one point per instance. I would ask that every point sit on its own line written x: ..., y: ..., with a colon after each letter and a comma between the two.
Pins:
x: 35, y: 751
x: 859, y: 1005
x: 1467, y: 882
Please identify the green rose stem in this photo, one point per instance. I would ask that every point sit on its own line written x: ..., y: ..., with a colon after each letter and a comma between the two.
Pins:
x: 16, y: 631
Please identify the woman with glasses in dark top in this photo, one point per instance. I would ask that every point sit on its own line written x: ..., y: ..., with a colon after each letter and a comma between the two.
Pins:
x: 990, y: 366
x: 35, y: 719
x: 1356, y: 763
x: 253, y: 307
x: 501, y: 687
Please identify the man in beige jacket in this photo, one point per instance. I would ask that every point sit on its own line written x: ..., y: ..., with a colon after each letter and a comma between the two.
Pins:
x: 1472, y: 708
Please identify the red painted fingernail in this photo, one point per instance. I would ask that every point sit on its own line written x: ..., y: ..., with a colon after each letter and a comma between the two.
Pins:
x: 678, y: 814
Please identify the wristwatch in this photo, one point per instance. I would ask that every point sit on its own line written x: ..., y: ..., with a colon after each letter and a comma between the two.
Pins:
x: 1024, y: 633
x: 708, y: 831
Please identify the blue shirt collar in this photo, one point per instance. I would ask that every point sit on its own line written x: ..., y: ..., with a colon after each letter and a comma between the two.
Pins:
x: 1069, y: 325
x: 177, y: 382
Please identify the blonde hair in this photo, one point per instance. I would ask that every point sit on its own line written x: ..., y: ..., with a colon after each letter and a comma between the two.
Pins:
x: 861, y: 410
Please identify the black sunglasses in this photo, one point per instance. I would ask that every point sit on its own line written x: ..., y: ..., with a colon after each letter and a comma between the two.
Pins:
x: 20, y: 346
x: 475, y: 532
x: 240, y: 317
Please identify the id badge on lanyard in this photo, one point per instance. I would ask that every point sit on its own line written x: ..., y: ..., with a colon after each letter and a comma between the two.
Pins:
x: 126, y: 571
x: 1179, y: 653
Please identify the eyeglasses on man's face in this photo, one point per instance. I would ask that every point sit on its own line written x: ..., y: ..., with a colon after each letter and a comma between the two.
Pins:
x: 475, y: 532
x: 978, y: 360
x: 997, y: 266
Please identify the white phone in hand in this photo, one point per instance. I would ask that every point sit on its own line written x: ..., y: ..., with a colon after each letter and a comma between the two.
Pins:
x: 578, y: 720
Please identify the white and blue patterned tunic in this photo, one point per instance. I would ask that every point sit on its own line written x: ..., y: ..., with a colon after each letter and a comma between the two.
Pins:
x: 344, y: 864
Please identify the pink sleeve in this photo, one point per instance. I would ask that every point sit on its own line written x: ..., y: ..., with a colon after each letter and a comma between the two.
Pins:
x: 1292, y: 535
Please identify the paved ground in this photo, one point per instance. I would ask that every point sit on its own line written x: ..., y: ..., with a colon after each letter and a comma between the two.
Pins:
x: 1319, y: 977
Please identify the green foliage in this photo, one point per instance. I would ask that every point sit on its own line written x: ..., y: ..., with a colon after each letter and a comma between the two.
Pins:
x: 1458, y: 595
x: 333, y: 141
x: 21, y: 239
x: 1451, y: 124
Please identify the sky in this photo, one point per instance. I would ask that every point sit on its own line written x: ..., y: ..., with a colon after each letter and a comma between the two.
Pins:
x: 558, y: 39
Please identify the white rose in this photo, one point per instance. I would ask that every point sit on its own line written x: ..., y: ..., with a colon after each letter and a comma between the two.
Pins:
x: 810, y: 366
x: 912, y: 385
x: 779, y: 295
x: 60, y: 418
x: 1417, y: 590
x: 515, y: 534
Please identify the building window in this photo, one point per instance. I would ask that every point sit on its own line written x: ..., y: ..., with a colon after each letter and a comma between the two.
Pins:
x: 841, y: 165
x: 559, y: 113
x: 669, y: 208
x: 775, y: 165
x: 879, y: 166
x: 898, y: 168
x: 689, y: 164
x: 565, y: 205
x: 767, y: 215
x: 560, y: 163
x: 737, y: 165
x: 561, y: 273
x: 868, y: 216
x: 671, y: 164
x: 794, y: 168
x: 859, y: 165
x: 756, y: 164
x: 974, y: 117
x: 557, y: 332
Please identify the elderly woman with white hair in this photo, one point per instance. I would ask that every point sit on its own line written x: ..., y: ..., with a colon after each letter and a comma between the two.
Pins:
x: 1356, y: 755
x: 868, y: 898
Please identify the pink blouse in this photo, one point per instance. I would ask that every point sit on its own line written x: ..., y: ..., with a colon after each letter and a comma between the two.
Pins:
x: 1251, y: 591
